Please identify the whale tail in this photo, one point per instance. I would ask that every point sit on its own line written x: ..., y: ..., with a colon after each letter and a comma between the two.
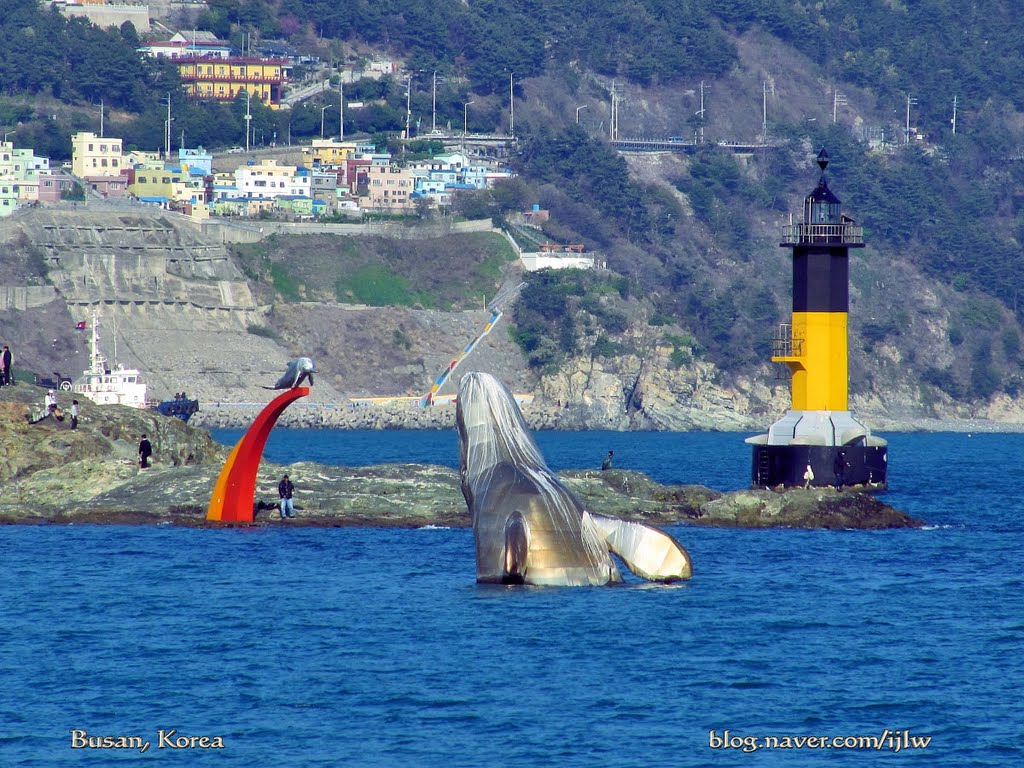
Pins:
x: 646, y: 551
x: 517, y: 549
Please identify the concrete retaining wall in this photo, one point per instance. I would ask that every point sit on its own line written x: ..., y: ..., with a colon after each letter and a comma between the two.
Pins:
x: 24, y: 297
x: 234, y: 231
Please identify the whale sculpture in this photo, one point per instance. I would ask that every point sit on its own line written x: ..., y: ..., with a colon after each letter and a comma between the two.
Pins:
x: 299, y: 369
x: 528, y: 527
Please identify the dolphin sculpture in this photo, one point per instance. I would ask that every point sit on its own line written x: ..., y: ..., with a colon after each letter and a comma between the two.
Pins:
x: 298, y: 370
x: 529, y: 528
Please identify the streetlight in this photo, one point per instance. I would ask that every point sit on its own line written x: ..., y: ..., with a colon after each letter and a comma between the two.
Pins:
x: 322, y: 111
x: 465, y: 117
x: 6, y: 134
x: 584, y: 106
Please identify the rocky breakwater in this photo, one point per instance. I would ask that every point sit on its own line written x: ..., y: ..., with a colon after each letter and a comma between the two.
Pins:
x: 54, y: 475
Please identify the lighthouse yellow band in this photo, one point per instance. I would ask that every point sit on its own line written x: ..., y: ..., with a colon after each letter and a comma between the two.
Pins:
x: 819, y: 361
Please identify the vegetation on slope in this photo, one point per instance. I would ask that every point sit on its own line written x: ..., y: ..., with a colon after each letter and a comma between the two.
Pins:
x: 456, y: 272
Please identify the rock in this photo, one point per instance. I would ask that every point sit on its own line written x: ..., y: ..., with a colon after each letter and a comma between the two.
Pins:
x: 799, y: 508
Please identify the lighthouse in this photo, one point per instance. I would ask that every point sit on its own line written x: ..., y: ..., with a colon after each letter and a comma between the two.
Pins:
x: 818, y: 441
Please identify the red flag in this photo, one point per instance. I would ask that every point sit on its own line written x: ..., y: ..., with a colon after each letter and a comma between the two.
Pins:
x: 80, y: 326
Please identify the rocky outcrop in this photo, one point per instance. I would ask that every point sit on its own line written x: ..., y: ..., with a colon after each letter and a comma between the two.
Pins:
x: 55, y: 475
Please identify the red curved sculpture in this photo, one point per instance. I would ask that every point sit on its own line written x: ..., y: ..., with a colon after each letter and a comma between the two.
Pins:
x: 234, y: 495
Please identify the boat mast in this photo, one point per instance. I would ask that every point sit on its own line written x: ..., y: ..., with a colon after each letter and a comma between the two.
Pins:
x: 97, y: 362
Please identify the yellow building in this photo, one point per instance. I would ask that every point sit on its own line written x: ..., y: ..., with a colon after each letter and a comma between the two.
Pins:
x: 93, y: 155
x: 154, y: 180
x: 223, y: 79
x: 325, y: 152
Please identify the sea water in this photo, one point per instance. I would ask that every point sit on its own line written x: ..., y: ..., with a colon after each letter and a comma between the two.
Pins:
x: 374, y: 647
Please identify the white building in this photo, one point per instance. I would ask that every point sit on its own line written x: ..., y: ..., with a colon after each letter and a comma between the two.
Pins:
x: 267, y: 179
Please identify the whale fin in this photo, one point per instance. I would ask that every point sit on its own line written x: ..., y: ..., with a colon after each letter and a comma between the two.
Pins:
x: 517, y: 548
x: 648, y: 552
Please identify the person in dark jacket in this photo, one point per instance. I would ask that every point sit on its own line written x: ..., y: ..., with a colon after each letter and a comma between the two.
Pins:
x: 285, y: 490
x: 839, y: 467
x: 145, y: 451
x: 7, y: 359
x: 607, y: 463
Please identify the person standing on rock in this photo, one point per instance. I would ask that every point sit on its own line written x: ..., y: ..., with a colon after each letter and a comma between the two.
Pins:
x: 74, y: 414
x: 607, y: 463
x: 808, y: 477
x: 839, y: 467
x: 145, y: 451
x: 286, y: 490
x: 7, y: 359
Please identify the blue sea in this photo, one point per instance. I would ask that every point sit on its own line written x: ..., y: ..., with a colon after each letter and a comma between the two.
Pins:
x: 293, y: 648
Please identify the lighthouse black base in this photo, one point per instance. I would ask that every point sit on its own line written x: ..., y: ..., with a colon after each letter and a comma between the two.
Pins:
x: 839, y: 448
x: 773, y: 466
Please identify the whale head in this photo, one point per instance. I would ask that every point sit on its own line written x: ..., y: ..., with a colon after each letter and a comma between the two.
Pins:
x: 300, y: 369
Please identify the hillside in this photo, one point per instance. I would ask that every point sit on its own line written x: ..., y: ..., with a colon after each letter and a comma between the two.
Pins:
x: 935, y: 312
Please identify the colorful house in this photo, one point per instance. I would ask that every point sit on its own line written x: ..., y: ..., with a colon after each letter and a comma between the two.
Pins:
x: 268, y: 179
x: 93, y: 155
x: 389, y: 188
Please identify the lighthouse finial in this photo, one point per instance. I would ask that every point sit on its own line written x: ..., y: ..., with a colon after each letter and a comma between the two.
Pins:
x: 823, y: 159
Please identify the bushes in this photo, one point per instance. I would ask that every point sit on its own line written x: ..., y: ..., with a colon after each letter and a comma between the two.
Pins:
x: 562, y: 305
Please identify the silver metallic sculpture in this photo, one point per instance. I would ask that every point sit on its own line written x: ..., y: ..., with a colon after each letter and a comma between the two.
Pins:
x: 298, y: 370
x: 529, y: 528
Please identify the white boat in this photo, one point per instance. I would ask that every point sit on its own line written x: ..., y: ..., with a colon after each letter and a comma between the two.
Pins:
x: 106, y: 386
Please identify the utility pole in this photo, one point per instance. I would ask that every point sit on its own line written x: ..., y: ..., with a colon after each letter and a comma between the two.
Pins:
x: 341, y: 109
x: 611, y: 121
x: 433, y: 103
x: 837, y: 100
x: 511, y: 106
x: 953, y: 121
x: 101, y: 118
x: 248, y: 119
x: 465, y: 124
x: 909, y: 102
x: 764, y: 112
x: 408, y: 106
x: 701, y: 112
x: 167, y: 131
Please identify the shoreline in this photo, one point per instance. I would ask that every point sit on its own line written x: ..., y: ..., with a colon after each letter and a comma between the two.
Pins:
x: 318, y: 416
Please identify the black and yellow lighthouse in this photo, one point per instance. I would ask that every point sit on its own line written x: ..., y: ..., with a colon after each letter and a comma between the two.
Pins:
x: 819, y: 441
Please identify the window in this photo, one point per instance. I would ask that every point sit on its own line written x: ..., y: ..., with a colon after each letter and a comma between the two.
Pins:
x: 142, y: 179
